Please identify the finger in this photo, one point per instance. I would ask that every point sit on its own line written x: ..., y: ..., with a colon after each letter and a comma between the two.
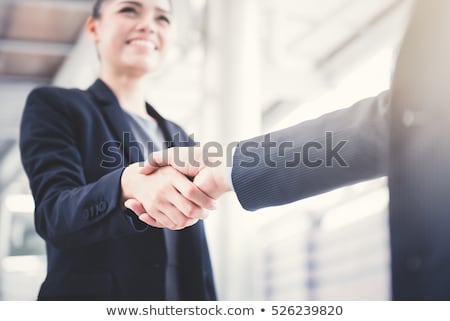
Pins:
x: 213, y: 182
x: 147, y: 219
x: 191, y: 222
x: 164, y: 217
x: 135, y: 206
x: 156, y: 160
x: 179, y: 219
x: 147, y: 168
x: 188, y: 208
x: 186, y: 160
x: 194, y: 194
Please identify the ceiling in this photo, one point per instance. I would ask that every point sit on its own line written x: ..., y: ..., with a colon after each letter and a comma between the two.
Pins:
x: 304, y: 44
x: 36, y: 36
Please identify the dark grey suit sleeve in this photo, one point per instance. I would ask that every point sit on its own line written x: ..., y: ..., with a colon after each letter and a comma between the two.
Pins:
x: 313, y: 157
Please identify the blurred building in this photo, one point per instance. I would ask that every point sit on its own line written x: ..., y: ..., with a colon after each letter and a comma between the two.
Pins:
x: 239, y: 67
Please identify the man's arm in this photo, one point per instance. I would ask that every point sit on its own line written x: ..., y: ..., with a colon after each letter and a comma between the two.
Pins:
x: 313, y: 157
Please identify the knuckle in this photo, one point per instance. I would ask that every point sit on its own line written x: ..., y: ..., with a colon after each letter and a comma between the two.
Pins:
x: 190, y: 210
x: 190, y: 191
x: 172, y: 227
x: 166, y: 223
x: 161, y: 200
x: 152, y: 215
x: 167, y: 187
x: 152, y: 198
x: 200, y: 213
x: 168, y: 171
x: 169, y: 223
x: 157, y: 202
x: 191, y: 222
x: 183, y: 222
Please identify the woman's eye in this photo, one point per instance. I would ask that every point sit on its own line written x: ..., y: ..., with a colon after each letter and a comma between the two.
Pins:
x: 128, y: 10
x: 164, y: 19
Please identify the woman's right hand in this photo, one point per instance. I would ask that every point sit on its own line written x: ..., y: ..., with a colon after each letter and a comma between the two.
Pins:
x: 167, y: 198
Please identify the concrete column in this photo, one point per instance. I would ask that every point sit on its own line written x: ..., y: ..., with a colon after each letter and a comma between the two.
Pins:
x: 232, y: 112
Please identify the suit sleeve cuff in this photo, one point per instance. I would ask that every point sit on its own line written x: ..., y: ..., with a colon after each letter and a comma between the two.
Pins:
x: 229, y: 170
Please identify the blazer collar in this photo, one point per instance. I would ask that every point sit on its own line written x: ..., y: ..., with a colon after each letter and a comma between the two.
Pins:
x: 103, y: 94
x: 115, y: 118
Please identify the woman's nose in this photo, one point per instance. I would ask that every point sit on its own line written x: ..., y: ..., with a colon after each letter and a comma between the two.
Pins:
x: 147, y: 24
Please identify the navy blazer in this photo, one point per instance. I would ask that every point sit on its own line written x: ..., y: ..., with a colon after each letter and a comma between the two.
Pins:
x: 74, y: 145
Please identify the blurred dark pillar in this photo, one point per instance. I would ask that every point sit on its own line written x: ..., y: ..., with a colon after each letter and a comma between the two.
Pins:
x: 419, y: 177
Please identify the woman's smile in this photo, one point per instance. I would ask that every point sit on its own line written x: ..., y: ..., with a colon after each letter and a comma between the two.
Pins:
x: 143, y: 44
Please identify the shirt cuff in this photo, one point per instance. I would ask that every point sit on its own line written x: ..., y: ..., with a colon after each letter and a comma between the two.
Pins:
x: 229, y: 170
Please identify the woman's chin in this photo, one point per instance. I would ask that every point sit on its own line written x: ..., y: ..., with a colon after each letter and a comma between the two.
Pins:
x: 142, y: 68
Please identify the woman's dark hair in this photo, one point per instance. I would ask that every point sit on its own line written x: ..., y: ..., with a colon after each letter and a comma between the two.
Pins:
x: 98, y: 6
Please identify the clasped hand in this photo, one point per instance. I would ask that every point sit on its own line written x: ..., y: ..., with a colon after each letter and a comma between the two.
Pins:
x: 174, y: 188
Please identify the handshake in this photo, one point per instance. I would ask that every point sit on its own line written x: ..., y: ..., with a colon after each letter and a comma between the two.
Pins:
x: 174, y: 187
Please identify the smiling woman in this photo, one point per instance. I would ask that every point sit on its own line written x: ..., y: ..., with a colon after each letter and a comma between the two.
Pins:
x: 131, y: 34
x: 96, y: 248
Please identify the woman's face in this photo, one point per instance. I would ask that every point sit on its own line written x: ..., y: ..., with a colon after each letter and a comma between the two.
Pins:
x: 132, y: 36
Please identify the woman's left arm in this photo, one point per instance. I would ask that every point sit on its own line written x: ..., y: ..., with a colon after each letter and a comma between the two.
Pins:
x: 70, y: 212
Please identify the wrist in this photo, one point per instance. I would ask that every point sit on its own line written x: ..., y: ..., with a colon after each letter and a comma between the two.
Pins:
x: 221, y: 179
x: 126, y: 183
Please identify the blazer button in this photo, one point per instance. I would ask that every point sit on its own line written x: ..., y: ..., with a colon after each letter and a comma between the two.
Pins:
x: 101, y: 207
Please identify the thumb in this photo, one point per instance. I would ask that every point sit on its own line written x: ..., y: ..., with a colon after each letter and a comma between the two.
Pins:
x: 147, y: 168
x: 154, y: 161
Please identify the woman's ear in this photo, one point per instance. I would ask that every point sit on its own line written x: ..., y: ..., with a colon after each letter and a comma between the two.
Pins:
x: 92, y: 29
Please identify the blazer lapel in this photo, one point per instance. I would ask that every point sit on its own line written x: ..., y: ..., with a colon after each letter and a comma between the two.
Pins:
x: 162, y: 124
x: 114, y: 116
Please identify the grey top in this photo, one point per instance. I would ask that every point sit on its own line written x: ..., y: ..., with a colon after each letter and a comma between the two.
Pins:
x: 151, y: 139
x: 147, y: 133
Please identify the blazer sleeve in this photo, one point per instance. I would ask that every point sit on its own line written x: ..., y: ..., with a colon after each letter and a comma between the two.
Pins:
x: 69, y: 212
x: 313, y: 157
